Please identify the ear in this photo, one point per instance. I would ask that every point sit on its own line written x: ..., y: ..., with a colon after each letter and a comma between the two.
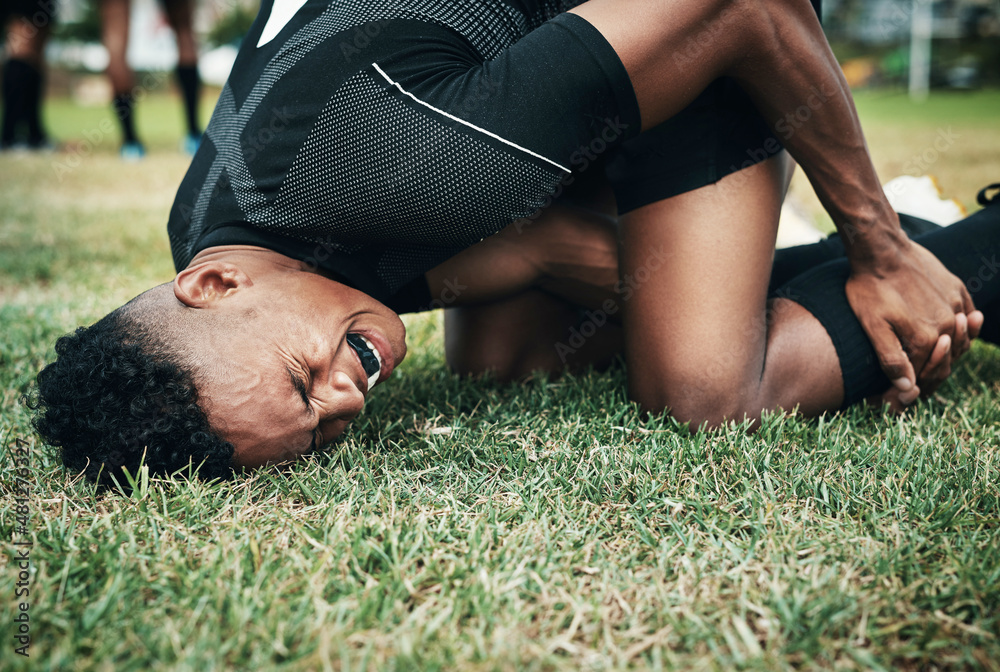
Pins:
x: 203, y: 284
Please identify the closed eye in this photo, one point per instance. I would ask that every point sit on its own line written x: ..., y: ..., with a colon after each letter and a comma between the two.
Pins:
x: 300, y: 386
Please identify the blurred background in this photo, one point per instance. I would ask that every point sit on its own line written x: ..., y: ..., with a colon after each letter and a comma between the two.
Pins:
x: 916, y: 44
x: 77, y: 59
x: 913, y: 45
x: 926, y: 76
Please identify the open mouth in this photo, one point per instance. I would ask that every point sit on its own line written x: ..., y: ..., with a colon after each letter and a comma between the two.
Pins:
x: 371, y: 361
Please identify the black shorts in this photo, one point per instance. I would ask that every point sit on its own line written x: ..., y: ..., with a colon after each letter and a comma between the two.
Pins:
x: 719, y: 133
x: 167, y: 4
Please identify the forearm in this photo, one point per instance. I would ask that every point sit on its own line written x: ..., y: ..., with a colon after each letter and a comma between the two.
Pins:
x: 777, y: 51
x: 566, y: 252
x: 491, y: 270
x: 799, y: 87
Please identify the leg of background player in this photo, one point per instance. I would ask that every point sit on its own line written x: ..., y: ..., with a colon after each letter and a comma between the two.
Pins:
x: 114, y: 33
x: 23, y: 82
x: 179, y: 14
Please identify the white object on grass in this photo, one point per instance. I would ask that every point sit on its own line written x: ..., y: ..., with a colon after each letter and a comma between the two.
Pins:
x: 794, y: 228
x: 921, y: 197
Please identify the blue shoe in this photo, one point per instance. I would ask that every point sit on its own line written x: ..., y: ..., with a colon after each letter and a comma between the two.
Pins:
x: 132, y: 152
x: 190, y: 144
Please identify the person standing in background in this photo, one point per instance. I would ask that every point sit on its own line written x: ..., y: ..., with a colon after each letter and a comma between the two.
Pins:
x: 28, y: 24
x: 115, y: 16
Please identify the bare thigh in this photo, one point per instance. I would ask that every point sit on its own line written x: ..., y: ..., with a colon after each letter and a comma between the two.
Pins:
x: 701, y: 337
x: 25, y: 41
x: 673, y: 50
x: 114, y: 34
x: 180, y: 16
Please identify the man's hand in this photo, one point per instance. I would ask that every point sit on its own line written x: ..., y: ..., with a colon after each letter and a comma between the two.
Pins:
x: 906, y: 302
x: 937, y: 369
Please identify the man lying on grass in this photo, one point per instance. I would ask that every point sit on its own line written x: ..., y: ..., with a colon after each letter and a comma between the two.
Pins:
x: 252, y: 357
x: 343, y: 181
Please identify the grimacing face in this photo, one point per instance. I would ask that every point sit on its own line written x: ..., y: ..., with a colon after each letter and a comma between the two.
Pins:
x: 284, y: 380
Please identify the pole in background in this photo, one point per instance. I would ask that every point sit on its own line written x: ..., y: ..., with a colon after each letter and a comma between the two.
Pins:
x: 921, y: 28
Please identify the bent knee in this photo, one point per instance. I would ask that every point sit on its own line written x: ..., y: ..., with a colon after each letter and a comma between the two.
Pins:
x: 698, y: 401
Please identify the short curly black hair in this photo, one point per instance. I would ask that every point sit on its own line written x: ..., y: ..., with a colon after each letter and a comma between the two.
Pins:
x: 117, y: 396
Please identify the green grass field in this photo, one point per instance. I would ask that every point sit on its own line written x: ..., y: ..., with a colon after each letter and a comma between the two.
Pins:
x: 475, y: 526
x: 953, y: 136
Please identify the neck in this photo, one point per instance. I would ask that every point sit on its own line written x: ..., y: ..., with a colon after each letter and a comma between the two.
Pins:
x: 253, y: 253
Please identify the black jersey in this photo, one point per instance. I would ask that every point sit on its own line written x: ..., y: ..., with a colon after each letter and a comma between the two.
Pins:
x: 378, y: 138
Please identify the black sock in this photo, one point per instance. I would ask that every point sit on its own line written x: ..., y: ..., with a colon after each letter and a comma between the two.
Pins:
x: 970, y: 249
x: 190, y: 83
x: 791, y: 261
x: 972, y: 252
x: 123, y: 106
x: 17, y: 75
x: 33, y: 109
